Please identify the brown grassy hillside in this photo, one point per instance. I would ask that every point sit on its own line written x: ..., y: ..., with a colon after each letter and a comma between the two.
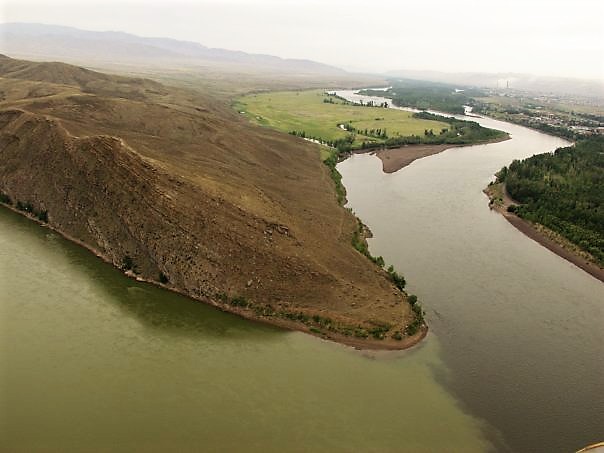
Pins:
x: 176, y: 184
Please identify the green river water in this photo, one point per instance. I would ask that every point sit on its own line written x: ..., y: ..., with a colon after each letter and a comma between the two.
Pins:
x: 93, y: 361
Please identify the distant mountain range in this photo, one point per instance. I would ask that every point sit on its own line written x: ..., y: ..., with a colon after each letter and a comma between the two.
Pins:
x: 114, y: 48
x: 41, y: 41
x: 513, y: 81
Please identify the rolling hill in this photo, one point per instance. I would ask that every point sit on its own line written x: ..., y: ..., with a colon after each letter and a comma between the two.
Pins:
x: 175, y: 187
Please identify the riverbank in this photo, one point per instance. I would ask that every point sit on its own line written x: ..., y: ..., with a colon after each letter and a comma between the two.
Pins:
x: 500, y: 201
x: 396, y: 158
x: 244, y: 311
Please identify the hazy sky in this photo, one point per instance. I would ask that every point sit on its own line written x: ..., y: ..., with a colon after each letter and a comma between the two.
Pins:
x: 546, y: 37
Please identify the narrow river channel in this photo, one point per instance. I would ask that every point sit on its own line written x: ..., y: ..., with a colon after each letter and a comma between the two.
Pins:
x: 93, y: 361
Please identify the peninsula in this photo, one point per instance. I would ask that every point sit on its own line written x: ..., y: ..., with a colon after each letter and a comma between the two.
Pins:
x: 174, y: 187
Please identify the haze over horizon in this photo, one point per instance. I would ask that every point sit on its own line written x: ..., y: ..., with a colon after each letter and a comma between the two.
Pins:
x: 554, y: 38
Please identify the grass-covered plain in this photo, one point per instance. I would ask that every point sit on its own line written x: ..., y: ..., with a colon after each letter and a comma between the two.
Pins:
x: 309, y: 112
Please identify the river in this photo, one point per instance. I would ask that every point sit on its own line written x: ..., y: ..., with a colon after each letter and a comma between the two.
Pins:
x: 93, y: 361
x: 521, y: 328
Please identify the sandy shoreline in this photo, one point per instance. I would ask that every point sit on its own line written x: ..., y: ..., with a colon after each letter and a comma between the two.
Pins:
x: 369, y: 344
x: 394, y: 159
x: 533, y: 232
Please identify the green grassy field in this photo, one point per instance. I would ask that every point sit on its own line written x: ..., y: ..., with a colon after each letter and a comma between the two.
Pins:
x: 306, y: 111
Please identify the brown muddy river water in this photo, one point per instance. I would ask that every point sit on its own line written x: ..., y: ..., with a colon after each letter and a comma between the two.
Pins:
x: 93, y: 361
